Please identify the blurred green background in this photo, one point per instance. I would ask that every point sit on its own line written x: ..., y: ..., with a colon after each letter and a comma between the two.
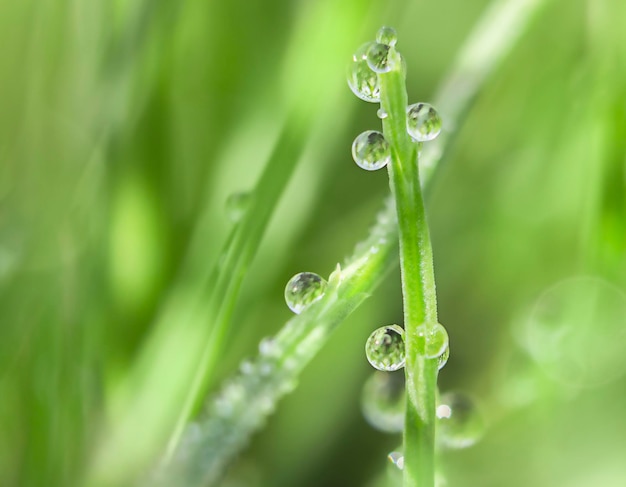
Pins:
x: 124, y: 127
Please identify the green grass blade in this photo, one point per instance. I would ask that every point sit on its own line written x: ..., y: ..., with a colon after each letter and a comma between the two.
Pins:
x: 418, y: 280
x: 157, y: 398
x: 361, y: 273
x: 248, y: 398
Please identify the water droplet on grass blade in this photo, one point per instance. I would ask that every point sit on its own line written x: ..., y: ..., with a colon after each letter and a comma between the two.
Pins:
x: 361, y: 79
x: 382, y: 114
x: 236, y: 205
x: 266, y: 369
x: 435, y: 340
x: 423, y: 122
x: 387, y: 35
x: 397, y: 459
x: 442, y: 360
x: 378, y: 58
x: 459, y: 424
x: 383, y: 401
x: 576, y: 331
x: 303, y: 289
x: 246, y: 367
x: 385, y: 348
x: 371, y: 151
x: 268, y: 347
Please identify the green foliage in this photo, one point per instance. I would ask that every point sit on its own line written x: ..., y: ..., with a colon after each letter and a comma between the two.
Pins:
x: 126, y: 294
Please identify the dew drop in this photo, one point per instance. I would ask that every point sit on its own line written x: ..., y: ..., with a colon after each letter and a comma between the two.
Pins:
x: 435, y: 340
x: 371, y: 151
x: 361, y: 79
x: 576, y: 332
x: 397, y: 459
x: 423, y: 122
x: 378, y: 58
x: 385, y: 348
x: 236, y: 205
x: 304, y: 289
x: 268, y: 347
x: 266, y: 369
x: 387, y: 35
x: 246, y: 367
x: 459, y: 424
x: 383, y: 401
x: 382, y: 114
x: 442, y: 360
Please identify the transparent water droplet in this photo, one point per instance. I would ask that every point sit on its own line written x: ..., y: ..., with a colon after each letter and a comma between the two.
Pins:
x: 442, y: 360
x: 233, y: 392
x: 378, y: 58
x: 387, y: 35
x: 361, y: 79
x: 435, y: 340
x: 371, y: 151
x: 382, y: 114
x: 303, y: 289
x: 576, y: 332
x: 397, y: 459
x: 423, y: 122
x: 266, y: 369
x: 383, y: 401
x: 385, y: 348
x: 246, y: 367
x: 237, y: 204
x: 268, y: 347
x: 459, y: 424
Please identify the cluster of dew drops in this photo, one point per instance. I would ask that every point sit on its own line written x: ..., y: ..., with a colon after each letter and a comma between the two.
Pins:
x: 383, y: 399
x: 370, y: 149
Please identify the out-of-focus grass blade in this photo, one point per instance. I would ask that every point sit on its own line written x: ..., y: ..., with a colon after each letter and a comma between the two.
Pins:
x: 176, y: 363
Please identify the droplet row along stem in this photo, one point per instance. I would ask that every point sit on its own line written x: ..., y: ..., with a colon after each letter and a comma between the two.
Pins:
x: 418, y: 284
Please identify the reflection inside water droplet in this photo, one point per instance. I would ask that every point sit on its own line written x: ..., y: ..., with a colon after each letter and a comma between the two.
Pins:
x: 361, y: 79
x: 435, y: 340
x: 385, y: 348
x: 378, y: 58
x: 304, y: 289
x: 423, y: 122
x: 371, y: 151
x: 442, y: 360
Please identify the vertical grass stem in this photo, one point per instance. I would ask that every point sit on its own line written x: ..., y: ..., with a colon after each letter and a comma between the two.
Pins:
x: 418, y: 281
